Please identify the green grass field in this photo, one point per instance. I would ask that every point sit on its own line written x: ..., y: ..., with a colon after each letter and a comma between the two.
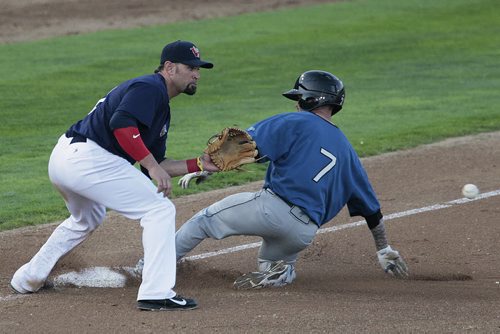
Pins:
x: 415, y: 71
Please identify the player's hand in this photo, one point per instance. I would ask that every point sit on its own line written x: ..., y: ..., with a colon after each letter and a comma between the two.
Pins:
x: 199, y: 176
x: 207, y: 164
x: 392, y: 262
x: 163, y: 180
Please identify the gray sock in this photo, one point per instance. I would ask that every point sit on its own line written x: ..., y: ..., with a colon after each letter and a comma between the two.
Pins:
x: 379, y: 235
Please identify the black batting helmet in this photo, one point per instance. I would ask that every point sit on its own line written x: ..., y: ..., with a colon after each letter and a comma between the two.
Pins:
x: 314, y: 89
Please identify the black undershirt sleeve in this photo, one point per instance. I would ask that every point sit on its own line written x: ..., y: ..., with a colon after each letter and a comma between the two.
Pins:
x: 374, y: 219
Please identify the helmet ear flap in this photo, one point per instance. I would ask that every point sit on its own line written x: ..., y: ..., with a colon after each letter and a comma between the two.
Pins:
x: 335, y: 108
x: 339, y: 102
x: 308, y: 103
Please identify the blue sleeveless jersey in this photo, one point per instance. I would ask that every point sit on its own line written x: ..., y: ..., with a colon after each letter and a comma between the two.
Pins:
x: 145, y: 98
x: 313, y: 166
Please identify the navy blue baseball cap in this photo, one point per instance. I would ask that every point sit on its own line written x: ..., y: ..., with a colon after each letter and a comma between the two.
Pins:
x: 183, y: 52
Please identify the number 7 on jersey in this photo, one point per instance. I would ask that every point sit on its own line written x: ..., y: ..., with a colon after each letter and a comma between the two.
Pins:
x: 327, y: 167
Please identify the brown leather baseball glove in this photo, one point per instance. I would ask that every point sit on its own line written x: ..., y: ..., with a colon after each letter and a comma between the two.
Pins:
x: 231, y: 148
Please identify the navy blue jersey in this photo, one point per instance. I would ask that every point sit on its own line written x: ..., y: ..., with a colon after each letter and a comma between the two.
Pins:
x: 145, y: 99
x: 313, y: 165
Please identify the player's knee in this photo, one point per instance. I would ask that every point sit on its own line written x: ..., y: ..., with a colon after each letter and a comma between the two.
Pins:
x: 96, y: 217
x: 160, y: 205
x: 85, y: 223
x: 166, y: 207
x: 161, y: 214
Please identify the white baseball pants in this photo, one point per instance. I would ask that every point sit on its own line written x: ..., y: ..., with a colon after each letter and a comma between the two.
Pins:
x: 92, y: 179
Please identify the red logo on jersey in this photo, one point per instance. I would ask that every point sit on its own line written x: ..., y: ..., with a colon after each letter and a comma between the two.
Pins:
x: 195, y: 51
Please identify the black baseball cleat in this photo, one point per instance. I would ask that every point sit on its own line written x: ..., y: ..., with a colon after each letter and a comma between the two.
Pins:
x: 170, y: 304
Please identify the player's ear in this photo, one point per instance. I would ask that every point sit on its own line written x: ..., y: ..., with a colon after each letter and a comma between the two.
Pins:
x: 169, y: 67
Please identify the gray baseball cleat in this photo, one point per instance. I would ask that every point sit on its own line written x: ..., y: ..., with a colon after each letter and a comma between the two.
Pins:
x: 279, y: 274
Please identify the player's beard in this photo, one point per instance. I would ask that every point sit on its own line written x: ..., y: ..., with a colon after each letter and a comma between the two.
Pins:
x: 190, y: 89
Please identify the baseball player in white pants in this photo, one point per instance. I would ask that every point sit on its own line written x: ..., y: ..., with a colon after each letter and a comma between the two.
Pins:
x: 91, y: 179
x: 92, y: 166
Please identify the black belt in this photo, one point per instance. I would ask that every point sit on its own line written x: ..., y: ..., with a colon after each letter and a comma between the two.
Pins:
x: 77, y: 139
x: 284, y: 200
x: 292, y: 206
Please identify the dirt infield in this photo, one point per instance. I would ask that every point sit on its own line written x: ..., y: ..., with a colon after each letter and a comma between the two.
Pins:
x: 452, y: 251
x: 452, y: 247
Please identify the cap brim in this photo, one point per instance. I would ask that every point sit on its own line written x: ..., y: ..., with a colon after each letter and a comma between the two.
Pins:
x: 198, y: 63
x: 292, y: 94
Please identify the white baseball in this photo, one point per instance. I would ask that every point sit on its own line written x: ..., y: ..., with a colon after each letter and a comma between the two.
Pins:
x: 470, y: 191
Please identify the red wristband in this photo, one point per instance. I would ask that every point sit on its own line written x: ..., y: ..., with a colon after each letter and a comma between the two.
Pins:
x: 192, y: 165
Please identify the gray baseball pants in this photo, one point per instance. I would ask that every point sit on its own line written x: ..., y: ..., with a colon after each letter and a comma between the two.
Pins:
x: 285, y: 229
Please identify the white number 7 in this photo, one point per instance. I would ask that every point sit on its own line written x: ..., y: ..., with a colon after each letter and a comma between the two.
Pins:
x: 327, y: 167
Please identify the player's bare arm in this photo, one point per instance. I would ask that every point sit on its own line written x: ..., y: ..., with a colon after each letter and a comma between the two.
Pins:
x: 182, y: 167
